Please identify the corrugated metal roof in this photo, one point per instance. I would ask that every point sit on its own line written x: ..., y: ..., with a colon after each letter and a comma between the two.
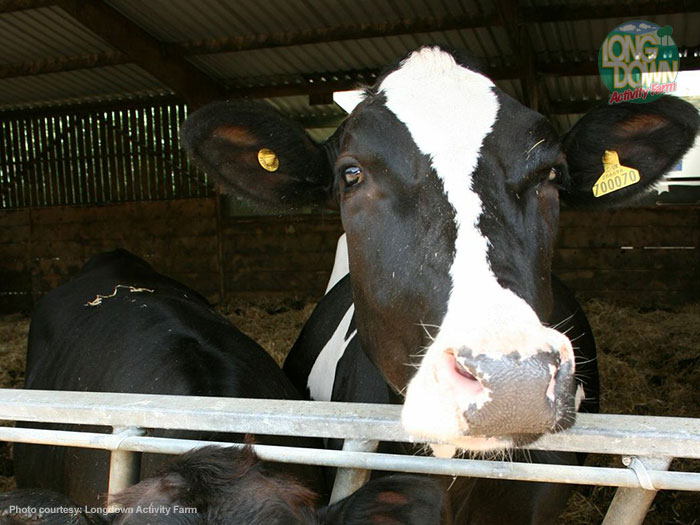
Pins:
x: 45, y: 33
x: 184, y: 20
x: 581, y: 40
x: 235, y: 68
x: 49, y: 33
x: 87, y: 85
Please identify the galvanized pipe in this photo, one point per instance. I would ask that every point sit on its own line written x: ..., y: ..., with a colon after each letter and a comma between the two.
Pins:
x: 372, y: 461
x: 630, y: 506
x: 348, y: 480
x: 594, y: 433
x: 124, y: 465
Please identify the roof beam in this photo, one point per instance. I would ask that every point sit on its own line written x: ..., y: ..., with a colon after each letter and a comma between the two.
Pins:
x: 164, y: 62
x: 522, y: 48
x: 570, y: 68
x: 337, y: 34
x: 347, y: 80
x: 89, y: 107
x: 60, y: 65
x: 568, y: 13
x: 8, y: 6
x: 590, y: 68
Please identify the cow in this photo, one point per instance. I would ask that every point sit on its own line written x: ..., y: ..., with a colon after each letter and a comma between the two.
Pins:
x: 224, y: 485
x: 120, y: 326
x: 449, y: 193
x: 231, y: 485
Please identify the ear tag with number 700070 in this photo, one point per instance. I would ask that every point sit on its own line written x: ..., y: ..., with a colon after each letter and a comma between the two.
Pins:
x: 615, y: 176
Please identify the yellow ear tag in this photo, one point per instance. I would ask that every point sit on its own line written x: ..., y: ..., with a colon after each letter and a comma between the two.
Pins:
x: 268, y: 159
x: 614, y: 177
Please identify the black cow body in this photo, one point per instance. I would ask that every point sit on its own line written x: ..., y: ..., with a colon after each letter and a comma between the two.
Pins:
x: 448, y: 190
x: 147, y: 334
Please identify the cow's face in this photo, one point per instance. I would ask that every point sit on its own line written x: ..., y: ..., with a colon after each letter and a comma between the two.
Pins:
x: 449, y: 191
x: 448, y: 195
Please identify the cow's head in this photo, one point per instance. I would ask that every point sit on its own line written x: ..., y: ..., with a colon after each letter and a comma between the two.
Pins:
x: 449, y: 194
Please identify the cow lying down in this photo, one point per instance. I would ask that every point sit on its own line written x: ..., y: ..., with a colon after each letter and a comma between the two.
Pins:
x: 213, y: 485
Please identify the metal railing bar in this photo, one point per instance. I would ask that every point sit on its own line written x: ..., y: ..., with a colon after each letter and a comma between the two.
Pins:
x: 348, y: 480
x: 124, y: 465
x: 620, y: 477
x: 630, y: 506
x: 595, y: 433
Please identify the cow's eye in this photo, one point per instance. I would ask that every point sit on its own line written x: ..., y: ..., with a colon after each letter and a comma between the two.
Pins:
x: 553, y: 174
x: 352, y: 175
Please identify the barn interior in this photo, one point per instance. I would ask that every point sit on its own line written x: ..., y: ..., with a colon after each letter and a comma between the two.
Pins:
x: 93, y: 93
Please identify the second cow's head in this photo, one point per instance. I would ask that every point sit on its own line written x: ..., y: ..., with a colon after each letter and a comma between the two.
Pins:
x: 449, y: 193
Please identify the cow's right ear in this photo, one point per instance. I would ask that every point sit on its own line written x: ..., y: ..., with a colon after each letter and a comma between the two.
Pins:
x: 254, y: 151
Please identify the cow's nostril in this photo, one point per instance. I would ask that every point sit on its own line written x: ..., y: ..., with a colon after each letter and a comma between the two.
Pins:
x: 463, y: 371
x: 460, y: 378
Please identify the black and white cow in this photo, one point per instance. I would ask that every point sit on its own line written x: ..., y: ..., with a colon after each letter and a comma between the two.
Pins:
x: 120, y: 326
x: 449, y: 194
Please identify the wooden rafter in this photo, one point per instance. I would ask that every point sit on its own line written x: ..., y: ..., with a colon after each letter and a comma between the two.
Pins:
x: 60, y: 65
x: 165, y: 63
x: 564, y: 68
x: 522, y: 48
x: 338, y: 34
x: 569, y: 13
x: 9, y: 6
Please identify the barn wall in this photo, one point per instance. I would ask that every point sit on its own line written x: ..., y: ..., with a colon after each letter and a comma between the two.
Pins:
x: 42, y: 247
x: 647, y: 257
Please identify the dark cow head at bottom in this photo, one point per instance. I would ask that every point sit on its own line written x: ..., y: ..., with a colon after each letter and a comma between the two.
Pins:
x: 449, y: 192
x: 224, y: 486
x: 220, y: 486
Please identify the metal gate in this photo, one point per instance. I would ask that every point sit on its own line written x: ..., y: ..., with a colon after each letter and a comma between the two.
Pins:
x: 647, y: 444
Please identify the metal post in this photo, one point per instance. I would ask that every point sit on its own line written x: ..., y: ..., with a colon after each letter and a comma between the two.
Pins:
x: 630, y: 506
x: 124, y: 466
x: 348, y: 480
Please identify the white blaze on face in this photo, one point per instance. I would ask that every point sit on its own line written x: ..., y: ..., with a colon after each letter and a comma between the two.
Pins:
x: 449, y: 110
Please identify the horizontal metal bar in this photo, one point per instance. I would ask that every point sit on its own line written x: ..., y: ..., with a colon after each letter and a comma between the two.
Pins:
x: 620, y: 477
x: 595, y: 433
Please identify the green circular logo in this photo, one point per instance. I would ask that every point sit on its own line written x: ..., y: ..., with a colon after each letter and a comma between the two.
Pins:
x: 638, y: 62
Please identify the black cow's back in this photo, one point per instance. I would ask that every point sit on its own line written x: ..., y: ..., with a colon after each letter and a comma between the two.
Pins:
x: 148, y: 334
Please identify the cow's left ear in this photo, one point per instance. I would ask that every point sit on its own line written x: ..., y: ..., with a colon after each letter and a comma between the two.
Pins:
x: 649, y: 138
x: 255, y: 152
x: 400, y: 499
